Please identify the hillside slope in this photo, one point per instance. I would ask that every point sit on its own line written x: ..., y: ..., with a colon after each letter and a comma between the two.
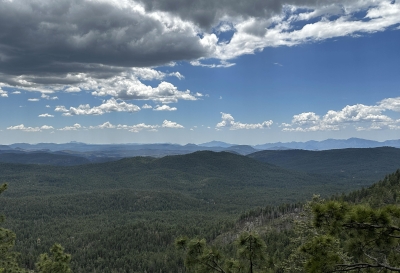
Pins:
x: 123, y: 216
x: 364, y: 164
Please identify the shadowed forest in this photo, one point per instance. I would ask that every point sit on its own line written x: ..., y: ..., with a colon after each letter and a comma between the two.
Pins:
x: 269, y: 211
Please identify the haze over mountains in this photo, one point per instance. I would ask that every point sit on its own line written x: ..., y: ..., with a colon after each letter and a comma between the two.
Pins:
x: 75, y: 153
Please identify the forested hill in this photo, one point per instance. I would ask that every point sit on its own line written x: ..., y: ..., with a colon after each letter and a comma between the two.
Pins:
x: 363, y: 164
x: 123, y: 216
x: 222, y: 177
x: 384, y: 192
x: 42, y: 158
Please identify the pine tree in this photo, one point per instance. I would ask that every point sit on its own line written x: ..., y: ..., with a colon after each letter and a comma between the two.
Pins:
x: 8, y: 257
x: 58, y: 262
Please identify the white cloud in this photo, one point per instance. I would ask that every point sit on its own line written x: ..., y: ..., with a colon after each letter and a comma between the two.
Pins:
x: 129, y: 89
x: 139, y: 127
x: 35, y: 99
x: 111, y: 105
x: 221, y: 64
x: 61, y: 108
x: 117, y: 53
x: 47, y: 97
x: 46, y: 115
x: 3, y: 93
x: 171, y: 124
x: 146, y: 106
x: 224, y: 27
x: 229, y: 122
x: 16, y: 92
x: 150, y: 74
x: 254, y: 34
x: 132, y: 128
x: 361, y: 117
x: 75, y: 127
x: 72, y: 89
x: 105, y: 125
x: 22, y: 127
x: 46, y: 127
x: 309, y: 118
x: 164, y: 108
x: 390, y: 104
x: 177, y: 74
x: 125, y: 85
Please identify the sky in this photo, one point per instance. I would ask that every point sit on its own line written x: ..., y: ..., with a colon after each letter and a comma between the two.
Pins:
x: 172, y: 71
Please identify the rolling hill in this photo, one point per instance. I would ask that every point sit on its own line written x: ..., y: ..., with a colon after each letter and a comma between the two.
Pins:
x: 362, y: 164
x: 125, y: 214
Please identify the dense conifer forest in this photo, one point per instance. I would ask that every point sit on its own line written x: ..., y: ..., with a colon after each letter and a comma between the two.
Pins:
x: 130, y: 215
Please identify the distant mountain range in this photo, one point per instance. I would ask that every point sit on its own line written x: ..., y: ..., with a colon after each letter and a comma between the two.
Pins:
x: 329, y: 144
x: 75, y: 153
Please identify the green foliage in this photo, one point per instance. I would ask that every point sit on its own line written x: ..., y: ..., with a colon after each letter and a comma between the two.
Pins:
x: 323, y: 253
x: 199, y: 257
x: 251, y: 250
x: 337, y: 236
x: 57, y: 262
x: 8, y: 258
x: 369, y: 235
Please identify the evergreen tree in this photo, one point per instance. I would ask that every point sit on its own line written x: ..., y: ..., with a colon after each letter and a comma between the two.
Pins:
x: 200, y: 257
x: 343, y: 237
x: 58, y: 262
x: 8, y: 258
x: 251, y: 250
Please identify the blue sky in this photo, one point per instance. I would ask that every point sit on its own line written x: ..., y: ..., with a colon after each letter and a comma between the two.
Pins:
x: 152, y: 71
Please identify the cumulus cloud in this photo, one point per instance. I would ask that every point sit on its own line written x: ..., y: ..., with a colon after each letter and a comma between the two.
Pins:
x: 206, y: 14
x: 229, y: 122
x: 133, y: 89
x: 171, y: 124
x: 72, y: 89
x: 138, y: 127
x: 47, y: 97
x: 329, y: 20
x: 105, y: 125
x: 46, y: 127
x: 34, y: 99
x: 69, y: 35
x: 22, y: 127
x: 111, y: 47
x: 361, y: 117
x: 46, y: 115
x: 390, y: 104
x: 75, y: 127
x: 111, y: 105
x: 146, y: 106
x: 164, y: 108
x: 3, y: 93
